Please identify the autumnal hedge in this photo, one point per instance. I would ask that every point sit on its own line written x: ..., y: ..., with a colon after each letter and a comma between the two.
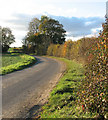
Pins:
x: 73, y: 50
x: 92, y: 94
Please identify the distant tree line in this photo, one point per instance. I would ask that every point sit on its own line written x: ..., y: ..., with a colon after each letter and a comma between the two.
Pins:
x: 72, y: 50
x: 41, y: 34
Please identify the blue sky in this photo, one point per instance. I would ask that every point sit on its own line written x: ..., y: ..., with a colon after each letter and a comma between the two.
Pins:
x: 79, y: 17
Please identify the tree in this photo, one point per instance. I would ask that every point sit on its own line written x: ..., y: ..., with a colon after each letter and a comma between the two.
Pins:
x: 53, y: 29
x: 31, y: 38
x: 44, y: 32
x: 43, y: 18
x: 0, y: 39
x: 33, y: 26
x: 7, y: 38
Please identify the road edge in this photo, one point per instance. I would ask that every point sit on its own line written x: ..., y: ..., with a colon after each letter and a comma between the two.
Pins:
x: 43, y: 98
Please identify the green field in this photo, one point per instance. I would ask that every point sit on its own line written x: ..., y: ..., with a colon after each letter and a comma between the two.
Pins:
x: 63, y: 98
x: 8, y: 59
x: 15, y: 61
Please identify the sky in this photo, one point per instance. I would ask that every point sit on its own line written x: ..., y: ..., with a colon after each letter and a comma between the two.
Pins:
x: 79, y: 17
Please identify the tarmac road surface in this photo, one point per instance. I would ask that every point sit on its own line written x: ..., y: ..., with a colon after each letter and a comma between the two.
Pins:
x: 21, y: 89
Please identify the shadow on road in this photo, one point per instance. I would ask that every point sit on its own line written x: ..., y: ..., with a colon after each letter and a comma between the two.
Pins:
x: 34, y: 111
x: 38, y: 61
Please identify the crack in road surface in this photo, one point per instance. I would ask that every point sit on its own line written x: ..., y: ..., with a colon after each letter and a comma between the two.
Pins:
x: 24, y: 89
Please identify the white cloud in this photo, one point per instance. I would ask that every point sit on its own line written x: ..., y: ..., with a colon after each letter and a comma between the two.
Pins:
x: 16, y: 14
x: 19, y: 35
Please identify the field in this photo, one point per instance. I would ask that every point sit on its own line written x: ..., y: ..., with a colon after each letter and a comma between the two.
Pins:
x: 15, y: 61
x: 62, y: 101
x: 8, y: 59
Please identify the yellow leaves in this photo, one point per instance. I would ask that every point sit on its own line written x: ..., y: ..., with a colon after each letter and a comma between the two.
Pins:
x: 36, y: 34
x: 105, y: 47
x: 83, y: 91
x: 102, y: 42
x: 98, y: 45
x: 101, y: 94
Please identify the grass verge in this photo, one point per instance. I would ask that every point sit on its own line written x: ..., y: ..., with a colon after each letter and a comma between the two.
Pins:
x: 15, y: 61
x: 63, y: 99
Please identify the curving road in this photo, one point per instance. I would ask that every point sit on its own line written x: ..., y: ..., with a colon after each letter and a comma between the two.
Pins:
x: 26, y: 88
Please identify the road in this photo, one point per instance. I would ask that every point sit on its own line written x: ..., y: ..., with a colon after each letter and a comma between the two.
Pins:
x: 27, y: 88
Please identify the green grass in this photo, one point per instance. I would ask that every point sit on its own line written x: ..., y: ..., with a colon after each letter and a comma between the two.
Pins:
x: 9, y: 59
x: 62, y: 101
x: 10, y: 49
x: 15, y: 61
x: 15, y: 50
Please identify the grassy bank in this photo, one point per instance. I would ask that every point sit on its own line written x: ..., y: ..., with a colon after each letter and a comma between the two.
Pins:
x: 62, y: 101
x: 15, y: 61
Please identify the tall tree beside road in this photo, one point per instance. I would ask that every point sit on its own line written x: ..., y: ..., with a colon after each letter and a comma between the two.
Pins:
x: 33, y: 26
x: 42, y: 33
x: 6, y: 39
x: 54, y: 30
